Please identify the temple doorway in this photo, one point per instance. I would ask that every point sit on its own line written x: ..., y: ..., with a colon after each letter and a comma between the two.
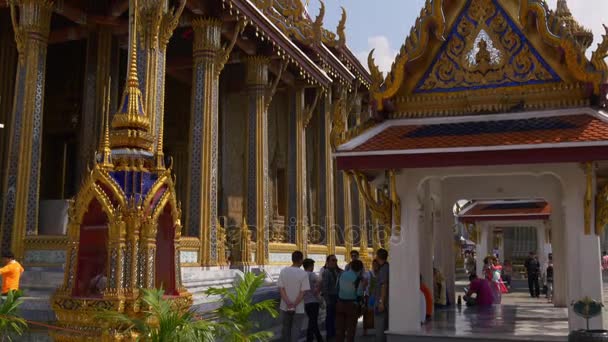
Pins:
x: 92, y: 260
x: 165, y: 253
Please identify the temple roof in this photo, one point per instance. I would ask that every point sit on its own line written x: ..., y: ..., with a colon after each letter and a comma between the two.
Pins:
x: 527, y: 137
x: 487, y: 56
x: 505, y: 210
x: 505, y: 131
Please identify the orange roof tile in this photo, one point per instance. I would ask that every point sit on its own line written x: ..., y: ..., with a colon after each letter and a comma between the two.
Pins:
x: 529, y: 131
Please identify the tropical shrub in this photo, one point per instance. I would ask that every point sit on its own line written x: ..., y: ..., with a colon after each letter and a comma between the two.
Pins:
x: 10, y: 322
x: 235, y: 321
x: 160, y: 321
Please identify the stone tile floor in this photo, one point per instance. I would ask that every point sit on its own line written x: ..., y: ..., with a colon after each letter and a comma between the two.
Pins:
x: 519, y: 317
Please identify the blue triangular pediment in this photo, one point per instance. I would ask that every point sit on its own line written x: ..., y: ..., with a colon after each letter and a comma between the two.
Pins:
x: 485, y: 49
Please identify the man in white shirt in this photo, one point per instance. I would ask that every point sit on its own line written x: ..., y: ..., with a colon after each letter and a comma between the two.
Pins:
x: 293, y: 282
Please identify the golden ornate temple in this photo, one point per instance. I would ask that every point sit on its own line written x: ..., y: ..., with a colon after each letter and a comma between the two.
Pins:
x: 166, y: 143
x: 176, y: 143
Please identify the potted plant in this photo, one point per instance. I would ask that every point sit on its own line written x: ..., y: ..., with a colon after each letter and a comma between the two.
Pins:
x: 587, y: 308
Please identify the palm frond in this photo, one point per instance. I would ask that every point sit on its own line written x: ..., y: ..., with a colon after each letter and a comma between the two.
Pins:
x: 10, y: 322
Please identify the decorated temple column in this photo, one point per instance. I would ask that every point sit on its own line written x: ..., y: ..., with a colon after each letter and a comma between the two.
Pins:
x: 326, y: 179
x: 31, y: 22
x: 209, y: 59
x: 154, y: 31
x: 348, y: 225
x: 363, y: 252
x: 376, y: 234
x: 256, y: 157
x: 297, y: 220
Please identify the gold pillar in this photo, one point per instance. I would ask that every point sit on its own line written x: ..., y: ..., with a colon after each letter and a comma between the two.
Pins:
x: 348, y: 226
x: 116, y: 258
x: 20, y: 212
x: 376, y: 244
x: 363, y: 252
x: 155, y: 28
x: 209, y: 60
x: 147, y: 253
x: 133, y: 279
x: 257, y: 153
x: 297, y: 218
x: 326, y: 175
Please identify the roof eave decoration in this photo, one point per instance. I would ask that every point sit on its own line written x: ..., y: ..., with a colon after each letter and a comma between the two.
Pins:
x: 550, y: 27
x: 431, y: 16
x: 291, y: 18
x: 252, y: 13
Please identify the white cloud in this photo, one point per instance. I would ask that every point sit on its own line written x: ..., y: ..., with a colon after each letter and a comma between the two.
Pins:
x: 384, y: 54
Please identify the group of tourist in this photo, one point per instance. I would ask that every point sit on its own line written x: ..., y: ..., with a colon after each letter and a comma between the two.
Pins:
x: 496, y: 280
x: 346, y: 294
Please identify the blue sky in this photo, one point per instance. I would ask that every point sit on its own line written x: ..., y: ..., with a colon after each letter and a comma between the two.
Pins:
x: 384, y: 24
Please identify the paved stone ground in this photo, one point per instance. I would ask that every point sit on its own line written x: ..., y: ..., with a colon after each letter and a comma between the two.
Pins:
x: 518, y: 318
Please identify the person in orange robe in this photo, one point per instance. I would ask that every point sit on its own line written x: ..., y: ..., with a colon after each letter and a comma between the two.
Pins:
x: 428, y: 298
x: 11, y: 273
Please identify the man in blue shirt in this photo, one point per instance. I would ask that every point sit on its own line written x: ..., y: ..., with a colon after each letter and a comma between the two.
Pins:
x: 350, y: 291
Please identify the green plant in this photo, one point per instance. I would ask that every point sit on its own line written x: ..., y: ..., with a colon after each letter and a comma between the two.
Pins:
x: 161, y: 322
x: 10, y: 323
x: 235, y: 323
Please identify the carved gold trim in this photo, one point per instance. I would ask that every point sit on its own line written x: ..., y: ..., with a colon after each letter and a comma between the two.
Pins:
x: 396, y: 202
x: 537, y: 97
x: 601, y: 210
x: 282, y: 247
x: 46, y: 242
x: 188, y: 243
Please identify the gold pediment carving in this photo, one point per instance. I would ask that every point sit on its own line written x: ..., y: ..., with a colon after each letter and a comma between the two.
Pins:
x: 479, y: 56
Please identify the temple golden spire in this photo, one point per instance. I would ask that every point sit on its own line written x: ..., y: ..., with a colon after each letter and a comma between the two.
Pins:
x: 131, y: 125
x: 582, y: 35
x: 104, y: 138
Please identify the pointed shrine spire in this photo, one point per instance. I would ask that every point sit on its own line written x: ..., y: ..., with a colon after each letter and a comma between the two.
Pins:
x: 582, y: 35
x: 131, y: 125
x: 104, y: 138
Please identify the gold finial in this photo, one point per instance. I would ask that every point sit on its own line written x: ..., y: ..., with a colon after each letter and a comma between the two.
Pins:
x: 131, y: 124
x: 317, y: 25
x: 341, y: 30
x: 104, y: 141
x: 582, y: 36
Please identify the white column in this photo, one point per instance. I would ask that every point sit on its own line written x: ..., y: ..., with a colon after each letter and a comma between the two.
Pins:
x: 404, y: 289
x: 540, y: 245
x: 560, y: 282
x: 426, y: 240
x: 482, y: 246
x: 582, y: 252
